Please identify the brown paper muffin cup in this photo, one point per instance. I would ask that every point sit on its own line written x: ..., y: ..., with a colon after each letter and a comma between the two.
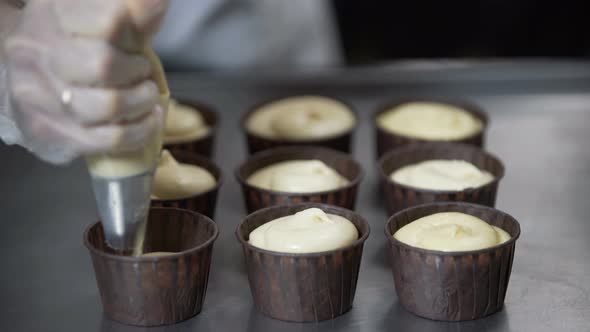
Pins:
x: 258, y: 198
x: 148, y: 291
x: 387, y: 140
x: 204, y: 202
x: 399, y: 196
x: 202, y: 145
x: 341, y: 142
x: 307, y: 287
x: 452, y: 286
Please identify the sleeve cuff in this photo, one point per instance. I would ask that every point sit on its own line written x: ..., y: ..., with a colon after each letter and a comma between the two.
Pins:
x: 9, y: 132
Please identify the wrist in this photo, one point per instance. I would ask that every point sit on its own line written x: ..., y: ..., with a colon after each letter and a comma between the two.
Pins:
x: 9, y: 132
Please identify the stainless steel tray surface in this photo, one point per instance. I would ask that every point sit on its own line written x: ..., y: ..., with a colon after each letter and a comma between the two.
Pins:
x: 539, y: 128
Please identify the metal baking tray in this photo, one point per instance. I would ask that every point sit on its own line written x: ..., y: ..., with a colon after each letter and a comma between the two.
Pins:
x: 539, y: 113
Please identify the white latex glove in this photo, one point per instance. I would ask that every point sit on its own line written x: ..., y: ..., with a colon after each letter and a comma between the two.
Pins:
x: 78, y: 81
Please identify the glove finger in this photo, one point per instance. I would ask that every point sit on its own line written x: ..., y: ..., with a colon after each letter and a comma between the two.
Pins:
x: 105, y: 65
x: 105, y: 19
x: 92, y: 106
x: 147, y: 14
x: 125, y: 25
x: 59, y: 140
x: 133, y: 135
x: 29, y: 87
x: 89, y: 105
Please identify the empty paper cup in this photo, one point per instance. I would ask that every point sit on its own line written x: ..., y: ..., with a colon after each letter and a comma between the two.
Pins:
x: 148, y: 291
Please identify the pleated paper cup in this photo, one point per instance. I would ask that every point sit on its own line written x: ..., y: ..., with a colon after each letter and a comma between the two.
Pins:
x: 256, y: 143
x: 204, y: 202
x: 452, y: 286
x: 308, y: 287
x: 149, y: 291
x: 204, y: 145
x: 399, y: 196
x: 387, y: 140
x: 258, y: 198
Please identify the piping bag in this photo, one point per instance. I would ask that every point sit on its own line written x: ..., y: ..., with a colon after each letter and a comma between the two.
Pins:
x: 122, y: 180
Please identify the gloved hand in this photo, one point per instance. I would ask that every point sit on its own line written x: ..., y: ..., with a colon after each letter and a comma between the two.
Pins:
x: 78, y: 81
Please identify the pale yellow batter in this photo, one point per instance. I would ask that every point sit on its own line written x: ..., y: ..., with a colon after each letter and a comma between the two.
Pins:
x: 430, y: 121
x: 183, y: 124
x: 451, y: 175
x: 451, y: 231
x: 176, y: 180
x: 301, y: 176
x: 307, y: 231
x: 301, y: 118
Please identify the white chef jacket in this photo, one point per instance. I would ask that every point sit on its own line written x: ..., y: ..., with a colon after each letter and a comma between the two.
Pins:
x: 230, y: 34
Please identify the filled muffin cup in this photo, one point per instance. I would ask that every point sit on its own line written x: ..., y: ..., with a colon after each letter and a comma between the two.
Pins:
x: 149, y: 291
x: 203, y: 145
x: 302, y: 287
x: 257, y: 198
x: 256, y: 143
x: 204, y: 202
x: 387, y: 140
x: 455, y: 285
x: 399, y: 196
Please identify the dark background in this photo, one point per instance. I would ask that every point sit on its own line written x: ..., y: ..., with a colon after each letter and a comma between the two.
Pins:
x: 373, y: 31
